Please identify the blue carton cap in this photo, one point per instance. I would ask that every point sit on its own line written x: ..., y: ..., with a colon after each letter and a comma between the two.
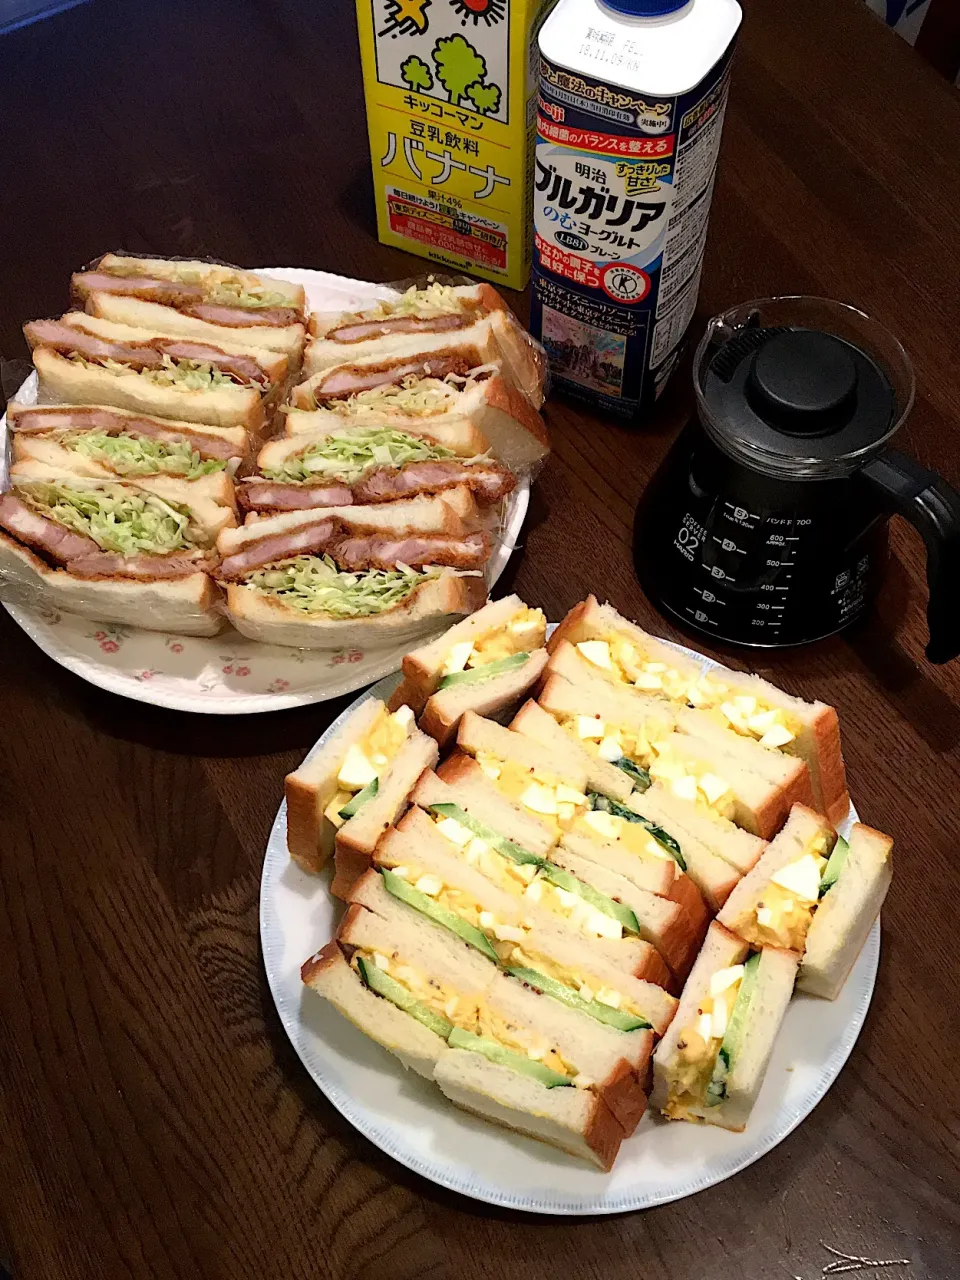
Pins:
x: 646, y: 8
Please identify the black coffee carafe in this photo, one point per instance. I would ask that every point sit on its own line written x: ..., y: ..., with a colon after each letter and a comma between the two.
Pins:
x: 766, y: 524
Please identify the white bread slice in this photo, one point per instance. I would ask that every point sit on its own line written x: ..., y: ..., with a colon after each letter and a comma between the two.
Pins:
x: 187, y: 606
x: 63, y: 381
x: 663, y: 923
x: 273, y: 363
x: 613, y: 1060
x: 207, y: 513
x: 495, y: 696
x: 615, y: 701
x: 602, y: 776
x: 467, y: 299
x: 460, y: 780
x: 410, y: 515
x: 575, y: 1120
x: 310, y: 789
x: 216, y: 487
x: 476, y: 344
x: 713, y: 875
x: 52, y: 417
x: 802, y: 828
x: 359, y: 835
x: 689, y: 822
x: 416, y: 842
x: 477, y: 735
x: 817, y: 742
x: 429, y: 605
x: 309, y: 426
x: 137, y: 312
x: 329, y: 975
x: 423, y: 666
x: 591, y: 620
x: 788, y: 773
x: 846, y: 913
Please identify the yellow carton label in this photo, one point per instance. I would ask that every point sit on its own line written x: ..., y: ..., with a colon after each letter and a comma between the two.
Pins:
x: 450, y: 88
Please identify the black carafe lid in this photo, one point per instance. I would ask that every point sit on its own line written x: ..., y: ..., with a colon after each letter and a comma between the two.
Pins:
x: 797, y: 402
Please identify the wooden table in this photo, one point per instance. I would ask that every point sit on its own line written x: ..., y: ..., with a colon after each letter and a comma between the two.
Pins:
x: 155, y: 1121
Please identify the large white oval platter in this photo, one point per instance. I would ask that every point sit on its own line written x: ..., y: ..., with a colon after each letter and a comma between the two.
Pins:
x: 412, y: 1122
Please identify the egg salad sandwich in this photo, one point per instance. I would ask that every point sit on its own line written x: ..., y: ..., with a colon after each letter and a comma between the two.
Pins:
x: 335, y: 576
x: 493, y: 1078
x: 419, y: 960
x: 445, y: 397
x: 421, y: 320
x: 112, y: 444
x: 628, y: 657
x: 485, y: 664
x: 137, y: 552
x: 355, y: 785
x: 366, y: 465
x: 807, y: 870
x: 208, y: 301
x: 710, y: 1066
x: 81, y: 359
x: 700, y: 759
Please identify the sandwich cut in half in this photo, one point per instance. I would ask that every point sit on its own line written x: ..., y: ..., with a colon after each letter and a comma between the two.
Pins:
x: 321, y: 579
x: 137, y: 553
x: 710, y: 1066
x: 113, y: 444
x: 485, y: 664
x: 81, y: 359
x: 366, y: 465
x: 356, y: 785
x: 448, y: 977
x: 421, y: 320
x: 445, y: 396
x: 751, y: 707
x: 208, y: 301
x: 686, y: 749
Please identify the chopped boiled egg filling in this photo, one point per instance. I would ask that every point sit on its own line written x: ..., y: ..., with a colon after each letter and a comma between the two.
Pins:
x: 525, y: 881
x: 699, y: 1044
x: 553, y: 802
x: 688, y: 783
x: 469, y: 1012
x: 499, y: 932
x: 749, y: 716
x: 524, y: 632
x: 785, y: 910
x: 586, y: 988
x: 367, y: 758
x: 626, y: 662
x: 633, y: 836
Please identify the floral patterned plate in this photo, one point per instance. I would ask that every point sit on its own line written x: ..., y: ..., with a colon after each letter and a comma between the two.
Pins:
x: 229, y: 674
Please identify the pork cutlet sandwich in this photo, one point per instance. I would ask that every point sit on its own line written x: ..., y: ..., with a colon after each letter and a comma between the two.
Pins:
x: 137, y: 552
x: 337, y: 576
x: 206, y: 301
x: 449, y: 397
x: 81, y: 359
x: 628, y: 657
x: 486, y: 664
x: 357, y: 464
x: 710, y: 1065
x: 423, y: 320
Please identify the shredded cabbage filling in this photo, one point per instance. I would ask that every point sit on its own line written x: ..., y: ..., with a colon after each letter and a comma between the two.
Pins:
x: 314, y: 584
x: 192, y: 375
x: 222, y: 290
x: 346, y: 458
x: 133, y: 455
x: 116, y: 519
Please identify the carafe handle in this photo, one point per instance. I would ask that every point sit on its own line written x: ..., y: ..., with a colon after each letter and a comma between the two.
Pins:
x: 933, y: 508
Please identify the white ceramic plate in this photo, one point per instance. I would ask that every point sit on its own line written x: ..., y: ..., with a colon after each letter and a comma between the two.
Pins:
x: 229, y: 674
x: 412, y: 1121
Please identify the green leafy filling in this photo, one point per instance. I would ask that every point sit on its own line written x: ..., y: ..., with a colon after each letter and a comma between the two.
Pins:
x: 346, y: 458
x: 132, y: 455
x: 314, y: 584
x: 190, y: 375
x: 114, y: 518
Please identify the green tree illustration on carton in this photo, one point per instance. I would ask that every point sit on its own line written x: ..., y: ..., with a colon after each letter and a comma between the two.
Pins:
x: 415, y: 73
x: 461, y: 70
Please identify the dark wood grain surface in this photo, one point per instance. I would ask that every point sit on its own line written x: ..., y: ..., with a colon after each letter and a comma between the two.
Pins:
x: 154, y: 1121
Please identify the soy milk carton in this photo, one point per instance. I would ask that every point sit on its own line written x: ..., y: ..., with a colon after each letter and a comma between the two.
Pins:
x: 630, y: 112
x: 450, y: 89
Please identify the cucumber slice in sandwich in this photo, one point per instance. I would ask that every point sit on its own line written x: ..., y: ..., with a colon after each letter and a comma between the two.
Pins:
x: 564, y: 880
x: 397, y: 994
x: 730, y: 1044
x: 641, y: 778
x: 831, y: 871
x: 566, y: 995
x: 663, y: 838
x: 360, y: 799
x: 507, y: 1058
x: 475, y: 674
x: 480, y: 829
x: 439, y: 915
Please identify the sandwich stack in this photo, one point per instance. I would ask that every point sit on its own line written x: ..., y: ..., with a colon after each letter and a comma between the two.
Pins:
x: 368, y: 455
x: 580, y: 869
